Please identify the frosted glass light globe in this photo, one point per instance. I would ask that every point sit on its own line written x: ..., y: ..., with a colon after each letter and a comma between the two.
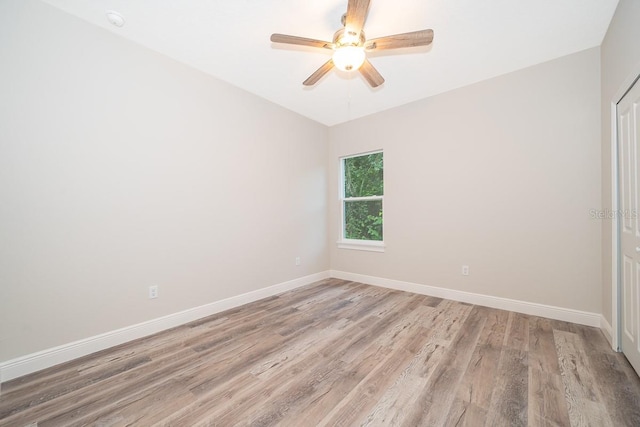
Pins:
x: 348, y: 58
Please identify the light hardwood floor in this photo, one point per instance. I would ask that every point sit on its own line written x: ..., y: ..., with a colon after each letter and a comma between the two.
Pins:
x: 340, y: 353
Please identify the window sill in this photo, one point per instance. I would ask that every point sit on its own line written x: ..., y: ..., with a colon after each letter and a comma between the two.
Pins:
x: 362, y: 245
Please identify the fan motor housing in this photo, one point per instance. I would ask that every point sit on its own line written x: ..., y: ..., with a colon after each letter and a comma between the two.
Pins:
x: 342, y: 37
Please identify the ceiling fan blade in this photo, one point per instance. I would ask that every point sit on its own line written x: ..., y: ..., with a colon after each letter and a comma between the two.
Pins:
x: 370, y: 74
x: 415, y: 38
x: 356, y: 14
x: 283, y: 38
x: 313, y: 78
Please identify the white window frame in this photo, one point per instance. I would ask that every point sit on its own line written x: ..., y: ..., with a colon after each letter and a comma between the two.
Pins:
x: 361, y: 245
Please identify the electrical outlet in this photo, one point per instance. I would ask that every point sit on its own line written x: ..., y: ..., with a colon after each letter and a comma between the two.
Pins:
x: 465, y: 270
x: 153, y: 292
x: 298, y: 262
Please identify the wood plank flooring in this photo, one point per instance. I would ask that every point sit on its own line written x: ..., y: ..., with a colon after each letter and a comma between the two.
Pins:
x: 340, y: 353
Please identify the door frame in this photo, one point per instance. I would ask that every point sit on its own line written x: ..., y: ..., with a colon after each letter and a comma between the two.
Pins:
x: 616, y: 284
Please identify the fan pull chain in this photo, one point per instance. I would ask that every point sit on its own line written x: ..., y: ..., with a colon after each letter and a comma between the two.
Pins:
x: 349, y: 96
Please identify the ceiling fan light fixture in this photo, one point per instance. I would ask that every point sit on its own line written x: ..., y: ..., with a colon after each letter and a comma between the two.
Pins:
x: 350, y: 45
x: 348, y: 58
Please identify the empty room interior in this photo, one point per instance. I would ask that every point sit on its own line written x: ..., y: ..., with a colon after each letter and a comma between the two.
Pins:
x: 346, y: 212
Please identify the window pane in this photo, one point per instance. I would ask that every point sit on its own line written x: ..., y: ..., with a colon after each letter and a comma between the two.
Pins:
x: 363, y: 176
x: 363, y: 220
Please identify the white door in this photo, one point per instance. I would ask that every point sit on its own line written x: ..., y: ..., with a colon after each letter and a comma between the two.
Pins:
x: 629, y: 170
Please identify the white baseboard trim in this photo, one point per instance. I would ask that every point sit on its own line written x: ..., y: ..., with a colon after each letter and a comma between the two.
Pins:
x: 607, y: 330
x: 50, y: 357
x: 535, y: 309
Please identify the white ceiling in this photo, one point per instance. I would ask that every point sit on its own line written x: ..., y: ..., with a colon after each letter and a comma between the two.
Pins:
x: 474, y: 40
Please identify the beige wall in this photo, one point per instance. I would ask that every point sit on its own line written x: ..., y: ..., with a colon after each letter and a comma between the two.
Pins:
x: 500, y: 175
x: 121, y: 168
x: 620, y: 62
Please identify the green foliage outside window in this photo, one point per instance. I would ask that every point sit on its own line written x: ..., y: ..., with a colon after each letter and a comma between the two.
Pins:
x: 363, y: 220
x: 363, y: 177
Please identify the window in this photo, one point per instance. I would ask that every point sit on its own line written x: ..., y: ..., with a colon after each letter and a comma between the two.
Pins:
x: 361, y: 194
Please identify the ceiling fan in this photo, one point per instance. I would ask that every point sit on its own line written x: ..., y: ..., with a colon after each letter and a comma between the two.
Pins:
x: 350, y: 45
